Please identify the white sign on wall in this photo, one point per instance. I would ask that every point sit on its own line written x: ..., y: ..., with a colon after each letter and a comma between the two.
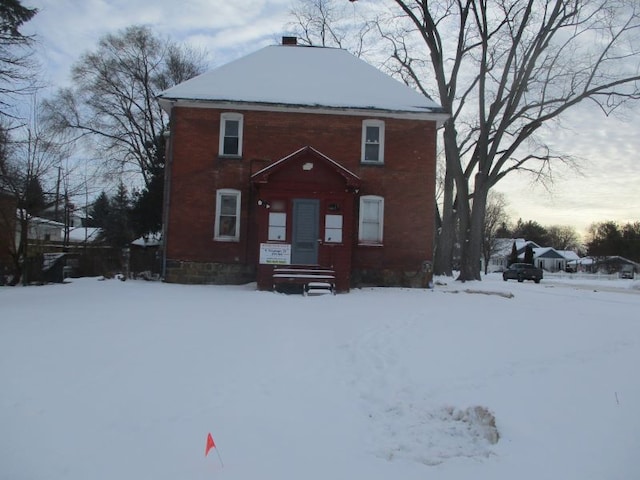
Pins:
x: 277, y: 226
x: 333, y: 229
x: 275, y: 253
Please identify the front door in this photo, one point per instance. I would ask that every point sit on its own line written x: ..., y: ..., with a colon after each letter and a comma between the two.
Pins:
x: 304, y: 244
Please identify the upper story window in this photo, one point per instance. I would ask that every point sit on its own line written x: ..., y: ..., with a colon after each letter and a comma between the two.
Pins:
x: 371, y: 219
x: 227, y: 225
x: 230, y: 135
x: 372, y: 141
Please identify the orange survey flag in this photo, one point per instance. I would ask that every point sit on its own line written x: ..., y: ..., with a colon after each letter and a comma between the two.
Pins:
x: 210, y: 444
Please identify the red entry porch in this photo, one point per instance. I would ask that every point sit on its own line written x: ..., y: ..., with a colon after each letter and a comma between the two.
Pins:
x: 305, y: 216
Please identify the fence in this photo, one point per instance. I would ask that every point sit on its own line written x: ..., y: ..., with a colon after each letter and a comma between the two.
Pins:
x: 582, y: 276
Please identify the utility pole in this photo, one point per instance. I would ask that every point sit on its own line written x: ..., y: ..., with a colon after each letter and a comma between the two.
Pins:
x: 55, y: 212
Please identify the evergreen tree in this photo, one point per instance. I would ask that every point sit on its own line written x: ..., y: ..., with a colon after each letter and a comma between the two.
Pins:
x: 116, y: 229
x: 513, y: 257
x: 12, y: 16
x: 147, y: 206
x: 146, y: 212
x: 532, y: 231
x: 631, y: 239
x: 16, y: 69
x: 605, y: 239
x: 528, y: 254
x: 99, y: 211
x: 33, y: 202
x: 504, y: 231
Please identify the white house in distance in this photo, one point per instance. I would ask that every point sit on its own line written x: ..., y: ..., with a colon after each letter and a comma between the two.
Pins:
x: 499, y: 260
x: 42, y: 230
x: 546, y: 258
x: 49, y: 232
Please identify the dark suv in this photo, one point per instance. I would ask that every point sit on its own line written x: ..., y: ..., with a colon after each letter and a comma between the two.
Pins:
x: 522, y: 272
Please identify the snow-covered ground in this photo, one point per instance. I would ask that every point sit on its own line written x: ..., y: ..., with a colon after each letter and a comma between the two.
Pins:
x: 123, y: 380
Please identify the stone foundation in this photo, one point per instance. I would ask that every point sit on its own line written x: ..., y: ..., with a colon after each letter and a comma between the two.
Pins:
x: 202, y: 273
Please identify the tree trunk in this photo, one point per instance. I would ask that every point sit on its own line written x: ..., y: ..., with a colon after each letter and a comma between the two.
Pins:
x: 454, y: 186
x: 19, y: 254
x: 472, y: 244
x: 446, y: 235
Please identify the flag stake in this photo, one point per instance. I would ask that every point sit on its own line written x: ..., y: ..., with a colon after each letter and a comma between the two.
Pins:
x: 211, y: 444
x: 218, y: 452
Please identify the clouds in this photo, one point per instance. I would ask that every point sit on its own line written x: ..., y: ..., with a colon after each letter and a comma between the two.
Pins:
x: 606, y: 185
x: 65, y: 29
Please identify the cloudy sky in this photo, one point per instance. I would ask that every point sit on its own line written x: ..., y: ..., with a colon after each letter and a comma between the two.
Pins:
x: 607, y: 187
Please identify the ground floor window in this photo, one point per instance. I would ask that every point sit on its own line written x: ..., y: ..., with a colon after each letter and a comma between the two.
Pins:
x: 227, y: 225
x: 371, y: 219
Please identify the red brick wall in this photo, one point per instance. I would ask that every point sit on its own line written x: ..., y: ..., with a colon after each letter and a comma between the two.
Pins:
x: 406, y: 180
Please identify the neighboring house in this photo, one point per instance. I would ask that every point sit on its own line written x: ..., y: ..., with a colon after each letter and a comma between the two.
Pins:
x: 51, y: 234
x: 65, y: 213
x: 546, y: 258
x: 549, y: 259
x: 614, y: 264
x: 499, y: 261
x: 584, y: 264
x: 298, y: 155
x: 42, y: 230
x: 572, y: 258
x: 84, y: 235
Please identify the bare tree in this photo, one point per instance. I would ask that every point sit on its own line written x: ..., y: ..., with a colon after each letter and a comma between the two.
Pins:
x: 112, y: 102
x: 30, y: 158
x: 496, y: 217
x: 16, y: 65
x: 564, y: 237
x: 504, y: 69
x: 332, y: 23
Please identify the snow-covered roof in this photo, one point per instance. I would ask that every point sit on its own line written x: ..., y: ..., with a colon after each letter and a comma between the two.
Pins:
x: 152, y: 240
x: 49, y: 259
x: 504, y: 246
x: 569, y: 254
x: 546, y: 252
x: 80, y: 234
x: 302, y: 76
x: 581, y: 261
x: 38, y: 221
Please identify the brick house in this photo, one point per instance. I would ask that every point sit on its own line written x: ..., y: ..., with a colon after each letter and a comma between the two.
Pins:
x: 299, y: 156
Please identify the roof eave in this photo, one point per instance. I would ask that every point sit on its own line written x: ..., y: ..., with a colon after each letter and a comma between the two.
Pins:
x: 438, y: 115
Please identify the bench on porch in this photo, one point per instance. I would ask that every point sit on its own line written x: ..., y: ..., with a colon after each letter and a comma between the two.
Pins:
x: 311, y: 279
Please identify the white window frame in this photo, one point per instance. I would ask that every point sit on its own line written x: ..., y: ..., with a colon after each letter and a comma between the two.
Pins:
x: 333, y: 224
x: 219, y: 194
x: 277, y: 230
x: 380, y: 125
x: 363, y: 200
x: 223, y: 127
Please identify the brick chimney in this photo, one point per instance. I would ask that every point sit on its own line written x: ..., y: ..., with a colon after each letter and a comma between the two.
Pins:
x: 289, y: 40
